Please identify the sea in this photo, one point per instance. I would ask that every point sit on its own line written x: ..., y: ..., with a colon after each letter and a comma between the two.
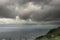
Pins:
x: 23, y: 32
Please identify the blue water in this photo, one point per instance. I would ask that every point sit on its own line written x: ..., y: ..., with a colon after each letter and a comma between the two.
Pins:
x: 16, y: 31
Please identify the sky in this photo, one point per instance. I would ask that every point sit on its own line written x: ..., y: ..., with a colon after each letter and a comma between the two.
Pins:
x: 29, y: 11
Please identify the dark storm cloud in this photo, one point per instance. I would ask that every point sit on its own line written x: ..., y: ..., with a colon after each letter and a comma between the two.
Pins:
x: 4, y: 12
x: 52, y: 13
x: 50, y: 10
x: 35, y: 1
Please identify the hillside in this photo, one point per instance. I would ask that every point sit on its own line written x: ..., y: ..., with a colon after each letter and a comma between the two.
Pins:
x: 53, y: 34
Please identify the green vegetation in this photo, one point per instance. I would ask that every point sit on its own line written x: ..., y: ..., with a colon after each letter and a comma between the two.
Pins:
x: 53, y: 34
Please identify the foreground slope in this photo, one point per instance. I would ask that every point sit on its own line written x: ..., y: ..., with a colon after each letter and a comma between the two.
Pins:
x: 53, y: 34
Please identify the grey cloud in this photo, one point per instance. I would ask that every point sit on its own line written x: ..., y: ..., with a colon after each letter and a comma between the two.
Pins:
x: 55, y: 2
x: 52, y: 10
x: 4, y: 12
x: 47, y: 15
x: 51, y: 14
x: 23, y: 2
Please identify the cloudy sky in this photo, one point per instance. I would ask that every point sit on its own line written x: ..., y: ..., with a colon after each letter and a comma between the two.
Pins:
x: 22, y: 11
